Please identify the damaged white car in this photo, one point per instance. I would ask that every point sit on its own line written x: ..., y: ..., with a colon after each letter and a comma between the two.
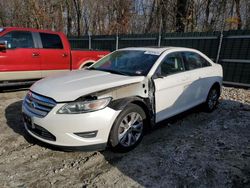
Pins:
x: 115, y: 100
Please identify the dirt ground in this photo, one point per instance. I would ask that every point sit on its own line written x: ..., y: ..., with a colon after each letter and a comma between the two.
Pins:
x: 195, y: 149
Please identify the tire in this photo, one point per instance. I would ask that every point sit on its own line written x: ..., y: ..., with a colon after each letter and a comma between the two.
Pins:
x: 124, y: 136
x: 212, y: 99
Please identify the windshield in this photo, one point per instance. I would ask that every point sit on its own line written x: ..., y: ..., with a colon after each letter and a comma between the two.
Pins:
x: 5, y: 37
x: 1, y: 31
x: 127, y: 62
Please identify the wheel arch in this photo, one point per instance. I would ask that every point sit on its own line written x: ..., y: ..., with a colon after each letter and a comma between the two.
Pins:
x: 121, y: 104
x: 217, y: 86
x: 206, y: 104
x: 143, y: 106
x: 88, y: 62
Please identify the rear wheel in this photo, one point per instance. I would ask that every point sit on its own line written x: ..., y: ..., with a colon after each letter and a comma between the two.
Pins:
x: 128, y: 129
x: 212, y: 99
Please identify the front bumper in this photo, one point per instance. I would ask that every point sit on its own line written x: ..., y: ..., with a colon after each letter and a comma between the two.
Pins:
x: 60, y: 129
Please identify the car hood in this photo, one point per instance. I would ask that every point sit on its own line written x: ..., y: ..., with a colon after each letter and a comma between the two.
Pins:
x: 72, y: 85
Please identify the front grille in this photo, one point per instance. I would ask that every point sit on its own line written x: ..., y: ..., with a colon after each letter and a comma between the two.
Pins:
x: 38, y: 105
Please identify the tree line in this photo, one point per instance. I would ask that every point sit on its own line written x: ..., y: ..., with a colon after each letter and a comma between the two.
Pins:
x: 100, y: 17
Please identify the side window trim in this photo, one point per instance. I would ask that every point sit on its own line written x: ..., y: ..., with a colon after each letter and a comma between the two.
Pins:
x: 37, y: 39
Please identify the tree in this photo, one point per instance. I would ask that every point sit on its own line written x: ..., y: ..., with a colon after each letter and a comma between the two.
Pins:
x: 80, y: 17
x: 207, y: 12
x: 78, y: 9
x: 248, y: 15
x: 237, y: 4
x: 181, y: 15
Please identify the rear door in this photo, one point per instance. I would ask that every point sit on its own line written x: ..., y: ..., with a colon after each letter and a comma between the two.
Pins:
x: 55, y: 57
x: 173, y: 87
x: 199, y: 69
x: 21, y: 60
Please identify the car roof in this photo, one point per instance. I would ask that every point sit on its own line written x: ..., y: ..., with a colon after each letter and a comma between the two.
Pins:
x: 28, y: 29
x: 158, y: 50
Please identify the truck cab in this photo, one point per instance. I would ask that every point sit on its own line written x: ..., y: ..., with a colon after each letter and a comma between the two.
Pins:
x: 30, y: 54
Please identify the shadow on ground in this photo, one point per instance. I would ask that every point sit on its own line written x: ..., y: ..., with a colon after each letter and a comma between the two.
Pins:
x: 10, y: 89
x: 13, y: 115
x: 194, y: 149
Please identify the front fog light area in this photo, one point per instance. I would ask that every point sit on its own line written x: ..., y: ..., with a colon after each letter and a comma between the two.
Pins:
x: 84, y: 106
x: 90, y: 134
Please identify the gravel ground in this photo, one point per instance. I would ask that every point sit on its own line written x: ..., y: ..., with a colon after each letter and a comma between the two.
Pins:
x: 194, y: 149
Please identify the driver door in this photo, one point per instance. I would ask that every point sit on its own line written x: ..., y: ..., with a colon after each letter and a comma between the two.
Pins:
x: 21, y: 59
x: 172, y: 92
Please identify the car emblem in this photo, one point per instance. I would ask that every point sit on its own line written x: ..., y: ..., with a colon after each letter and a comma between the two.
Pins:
x: 29, y: 94
x: 33, y: 104
x: 33, y: 125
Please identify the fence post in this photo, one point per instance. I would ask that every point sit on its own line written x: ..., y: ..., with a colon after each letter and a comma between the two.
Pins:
x: 89, y: 42
x: 159, y: 40
x: 219, y: 47
x: 221, y: 33
x: 117, y: 42
x: 159, y: 37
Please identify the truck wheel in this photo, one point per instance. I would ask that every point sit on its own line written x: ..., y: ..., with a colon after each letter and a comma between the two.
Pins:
x: 128, y: 129
x: 212, y: 99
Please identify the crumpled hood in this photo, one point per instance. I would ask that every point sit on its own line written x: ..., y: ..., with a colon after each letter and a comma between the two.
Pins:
x: 72, y: 85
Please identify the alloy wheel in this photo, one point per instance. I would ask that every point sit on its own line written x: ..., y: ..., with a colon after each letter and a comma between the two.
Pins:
x: 130, y: 129
x: 212, y: 98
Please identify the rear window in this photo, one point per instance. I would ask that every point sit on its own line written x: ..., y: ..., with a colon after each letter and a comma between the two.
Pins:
x: 51, y: 41
x: 194, y: 61
x: 1, y: 29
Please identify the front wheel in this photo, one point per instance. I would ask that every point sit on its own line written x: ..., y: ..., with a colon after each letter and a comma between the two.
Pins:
x: 212, y: 99
x: 128, y: 129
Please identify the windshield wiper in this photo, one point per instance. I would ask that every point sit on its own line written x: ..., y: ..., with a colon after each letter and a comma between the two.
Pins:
x: 116, y: 72
x: 111, y: 71
x: 91, y: 68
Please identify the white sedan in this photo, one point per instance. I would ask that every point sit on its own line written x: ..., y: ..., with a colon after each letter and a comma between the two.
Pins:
x: 115, y: 100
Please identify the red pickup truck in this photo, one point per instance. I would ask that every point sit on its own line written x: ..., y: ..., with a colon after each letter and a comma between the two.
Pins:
x: 30, y: 54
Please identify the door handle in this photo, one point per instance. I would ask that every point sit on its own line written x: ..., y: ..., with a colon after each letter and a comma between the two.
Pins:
x: 35, y: 54
x: 64, y: 54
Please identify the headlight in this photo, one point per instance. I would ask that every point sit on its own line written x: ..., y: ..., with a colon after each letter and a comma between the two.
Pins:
x: 84, y: 106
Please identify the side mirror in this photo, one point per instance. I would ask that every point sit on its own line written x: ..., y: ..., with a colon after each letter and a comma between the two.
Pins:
x: 3, y: 46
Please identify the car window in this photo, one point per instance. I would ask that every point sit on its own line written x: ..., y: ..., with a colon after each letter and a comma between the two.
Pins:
x: 18, y: 39
x: 194, y: 61
x: 51, y: 41
x: 171, y: 64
